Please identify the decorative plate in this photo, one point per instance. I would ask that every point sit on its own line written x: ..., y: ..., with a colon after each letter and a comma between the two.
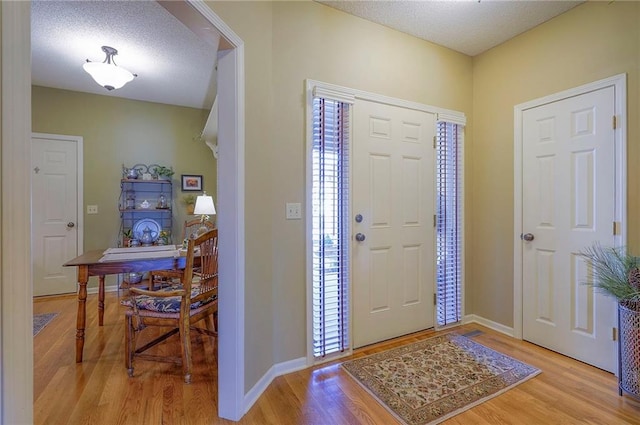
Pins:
x: 140, y: 226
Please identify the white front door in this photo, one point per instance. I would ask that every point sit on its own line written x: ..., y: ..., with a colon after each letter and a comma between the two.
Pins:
x: 568, y: 204
x: 54, y: 212
x: 393, y: 183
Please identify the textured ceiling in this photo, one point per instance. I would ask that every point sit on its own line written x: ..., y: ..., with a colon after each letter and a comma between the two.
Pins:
x: 467, y: 26
x: 174, y: 66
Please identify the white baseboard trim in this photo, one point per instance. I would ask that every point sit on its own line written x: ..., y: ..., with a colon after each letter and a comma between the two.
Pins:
x: 276, y: 370
x: 94, y: 290
x: 498, y: 327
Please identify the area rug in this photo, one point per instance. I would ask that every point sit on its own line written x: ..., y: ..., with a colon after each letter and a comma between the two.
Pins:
x: 41, y: 320
x: 430, y: 381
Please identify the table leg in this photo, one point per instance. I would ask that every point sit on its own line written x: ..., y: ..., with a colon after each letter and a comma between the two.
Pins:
x: 100, y: 300
x: 83, y: 277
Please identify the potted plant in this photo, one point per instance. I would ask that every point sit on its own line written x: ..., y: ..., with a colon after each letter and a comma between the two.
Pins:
x: 162, y: 172
x: 190, y: 201
x: 163, y: 237
x: 616, y: 273
x: 127, y: 234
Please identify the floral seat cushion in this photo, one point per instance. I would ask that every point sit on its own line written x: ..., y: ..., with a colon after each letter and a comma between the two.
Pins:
x: 164, y: 304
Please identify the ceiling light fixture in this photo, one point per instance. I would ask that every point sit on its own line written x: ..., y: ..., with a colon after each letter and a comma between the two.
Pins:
x: 107, y: 73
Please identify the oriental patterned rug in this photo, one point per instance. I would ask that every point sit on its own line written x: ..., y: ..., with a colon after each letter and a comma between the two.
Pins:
x: 430, y: 381
x: 41, y: 320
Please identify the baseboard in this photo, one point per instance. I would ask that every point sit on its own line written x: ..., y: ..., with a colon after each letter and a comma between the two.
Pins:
x: 94, y: 290
x: 276, y: 370
x: 498, y: 327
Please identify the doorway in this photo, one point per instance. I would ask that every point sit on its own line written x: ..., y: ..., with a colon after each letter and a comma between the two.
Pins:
x: 570, y: 178
x: 17, y: 380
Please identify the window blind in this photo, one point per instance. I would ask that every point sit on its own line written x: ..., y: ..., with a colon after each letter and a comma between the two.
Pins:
x: 449, y: 214
x: 330, y: 232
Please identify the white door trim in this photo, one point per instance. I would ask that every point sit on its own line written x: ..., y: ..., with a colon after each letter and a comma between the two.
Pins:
x: 16, y: 305
x: 619, y: 82
x: 230, y: 188
x: 79, y: 141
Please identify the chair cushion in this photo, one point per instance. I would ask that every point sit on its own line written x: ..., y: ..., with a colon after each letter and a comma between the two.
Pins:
x: 164, y: 305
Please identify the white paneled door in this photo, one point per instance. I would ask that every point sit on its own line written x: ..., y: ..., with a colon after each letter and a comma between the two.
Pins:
x: 568, y: 204
x: 392, y: 223
x: 54, y: 213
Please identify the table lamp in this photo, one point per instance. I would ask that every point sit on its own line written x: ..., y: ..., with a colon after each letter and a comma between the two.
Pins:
x: 205, y: 207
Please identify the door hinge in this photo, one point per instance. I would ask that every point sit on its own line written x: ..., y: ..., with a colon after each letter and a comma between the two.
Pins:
x: 616, y: 228
x: 434, y: 220
x: 615, y: 122
x: 434, y: 298
x: 434, y: 142
x: 614, y: 334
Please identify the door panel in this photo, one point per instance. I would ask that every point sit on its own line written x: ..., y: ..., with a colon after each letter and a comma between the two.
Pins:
x: 393, y: 172
x: 568, y: 204
x: 54, y: 215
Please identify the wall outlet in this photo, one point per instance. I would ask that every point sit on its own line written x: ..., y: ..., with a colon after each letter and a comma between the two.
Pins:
x: 92, y: 209
x: 294, y: 211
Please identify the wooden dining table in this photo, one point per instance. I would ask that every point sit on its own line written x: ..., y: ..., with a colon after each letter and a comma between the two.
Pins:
x: 90, y: 264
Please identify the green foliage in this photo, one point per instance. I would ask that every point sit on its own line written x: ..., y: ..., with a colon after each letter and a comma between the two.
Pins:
x: 189, y: 199
x: 161, y: 170
x: 610, y: 272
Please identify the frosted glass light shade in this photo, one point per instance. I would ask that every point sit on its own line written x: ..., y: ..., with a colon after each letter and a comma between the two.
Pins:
x: 108, y: 75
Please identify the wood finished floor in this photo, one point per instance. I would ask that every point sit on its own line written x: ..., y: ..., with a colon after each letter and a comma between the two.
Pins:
x: 98, y: 391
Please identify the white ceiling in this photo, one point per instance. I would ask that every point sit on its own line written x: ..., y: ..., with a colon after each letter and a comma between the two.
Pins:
x: 177, y: 67
x: 174, y: 66
x: 467, y: 26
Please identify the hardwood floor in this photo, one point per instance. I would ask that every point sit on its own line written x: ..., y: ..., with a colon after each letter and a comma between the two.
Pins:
x: 98, y: 391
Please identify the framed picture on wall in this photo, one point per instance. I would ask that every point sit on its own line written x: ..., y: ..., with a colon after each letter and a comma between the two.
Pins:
x: 191, y: 183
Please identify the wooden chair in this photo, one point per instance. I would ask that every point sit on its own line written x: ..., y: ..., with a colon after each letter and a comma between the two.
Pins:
x: 160, y: 278
x: 192, y: 226
x: 179, y: 307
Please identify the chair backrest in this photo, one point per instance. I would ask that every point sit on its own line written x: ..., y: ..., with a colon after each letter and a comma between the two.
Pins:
x: 202, y: 284
x: 191, y: 226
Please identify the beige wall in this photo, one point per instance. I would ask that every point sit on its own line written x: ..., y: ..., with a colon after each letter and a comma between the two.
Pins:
x: 252, y: 22
x: 591, y: 42
x: 286, y: 43
x: 119, y: 131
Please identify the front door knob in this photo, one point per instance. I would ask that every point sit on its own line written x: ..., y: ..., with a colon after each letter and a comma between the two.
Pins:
x: 360, y: 237
x: 70, y: 224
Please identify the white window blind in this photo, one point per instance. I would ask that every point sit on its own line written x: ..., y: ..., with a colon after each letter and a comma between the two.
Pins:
x: 330, y: 232
x: 449, y: 238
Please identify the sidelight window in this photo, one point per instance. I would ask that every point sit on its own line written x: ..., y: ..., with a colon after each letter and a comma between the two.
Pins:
x: 449, y: 214
x: 330, y: 226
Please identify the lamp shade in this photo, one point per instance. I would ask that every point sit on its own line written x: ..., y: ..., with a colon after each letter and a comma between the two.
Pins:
x: 108, y: 75
x: 204, y: 205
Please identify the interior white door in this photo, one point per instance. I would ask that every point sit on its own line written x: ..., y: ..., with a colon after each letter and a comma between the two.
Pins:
x: 568, y: 204
x: 393, y: 184
x: 54, y: 214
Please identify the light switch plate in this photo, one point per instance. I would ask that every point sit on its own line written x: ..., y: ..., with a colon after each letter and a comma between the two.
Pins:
x: 92, y: 209
x: 294, y: 211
